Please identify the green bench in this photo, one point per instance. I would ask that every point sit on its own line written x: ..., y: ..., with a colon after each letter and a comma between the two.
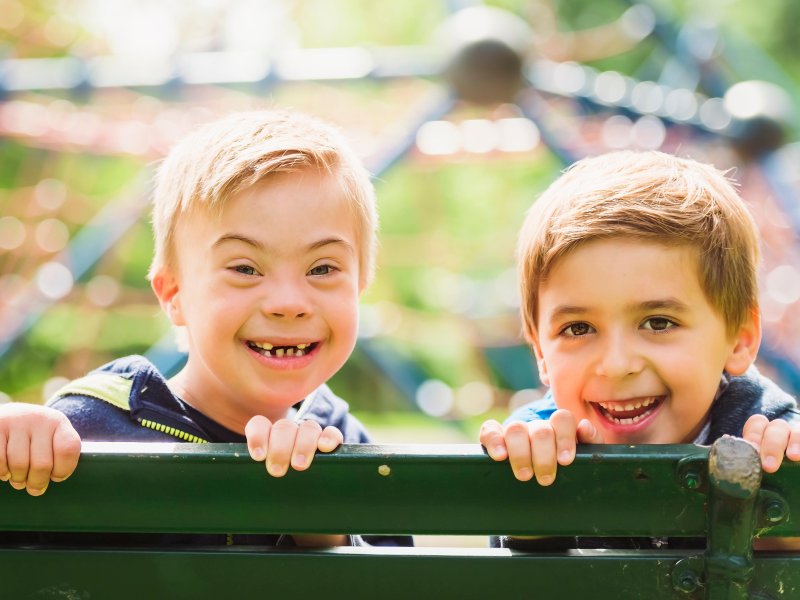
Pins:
x: 453, y: 490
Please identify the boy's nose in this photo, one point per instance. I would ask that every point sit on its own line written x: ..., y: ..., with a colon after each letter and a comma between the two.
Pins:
x: 619, y: 358
x: 286, y: 300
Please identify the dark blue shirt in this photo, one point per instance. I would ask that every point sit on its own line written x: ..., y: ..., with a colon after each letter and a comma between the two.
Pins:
x: 155, y: 414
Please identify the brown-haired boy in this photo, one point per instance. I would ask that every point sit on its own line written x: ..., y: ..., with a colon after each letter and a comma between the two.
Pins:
x: 639, y: 299
x: 264, y: 229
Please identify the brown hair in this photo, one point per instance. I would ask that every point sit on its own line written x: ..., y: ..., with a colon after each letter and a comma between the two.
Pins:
x: 652, y: 196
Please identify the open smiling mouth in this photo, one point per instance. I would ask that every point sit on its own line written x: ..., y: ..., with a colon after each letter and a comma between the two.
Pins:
x: 266, y: 349
x: 629, y: 412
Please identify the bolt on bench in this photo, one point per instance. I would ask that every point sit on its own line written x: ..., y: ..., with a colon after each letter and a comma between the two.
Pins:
x: 654, y: 491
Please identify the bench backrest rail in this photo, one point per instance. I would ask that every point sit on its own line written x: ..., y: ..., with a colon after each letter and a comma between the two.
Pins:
x: 651, y: 491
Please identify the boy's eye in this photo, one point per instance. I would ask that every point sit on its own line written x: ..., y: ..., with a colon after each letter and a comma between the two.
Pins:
x: 245, y: 269
x: 658, y: 324
x: 321, y: 270
x: 577, y: 329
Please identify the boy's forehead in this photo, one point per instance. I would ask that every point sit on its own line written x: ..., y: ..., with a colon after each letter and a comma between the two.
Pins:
x: 239, y: 211
x: 647, y: 265
x: 688, y: 254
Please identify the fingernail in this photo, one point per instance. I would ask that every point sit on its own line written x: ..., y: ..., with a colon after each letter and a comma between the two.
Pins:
x: 770, y: 463
x: 524, y: 474
x: 17, y: 485
x: 5, y: 477
x: 275, y: 470
x: 36, y: 491
x: 794, y: 450
x: 300, y: 460
x: 545, y: 479
x: 564, y: 456
x: 258, y: 454
x: 497, y: 451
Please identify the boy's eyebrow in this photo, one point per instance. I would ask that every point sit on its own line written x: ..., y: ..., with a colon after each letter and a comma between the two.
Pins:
x: 566, y: 310
x: 237, y: 237
x: 332, y: 240
x: 669, y: 304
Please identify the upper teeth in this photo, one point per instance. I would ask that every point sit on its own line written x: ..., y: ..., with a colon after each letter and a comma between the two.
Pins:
x: 620, y: 407
x: 266, y: 346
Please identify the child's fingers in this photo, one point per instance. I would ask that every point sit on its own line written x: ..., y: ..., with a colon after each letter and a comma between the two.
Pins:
x: 305, y: 444
x: 588, y: 434
x: 281, y: 443
x: 66, y: 451
x: 330, y: 439
x: 518, y: 446
x: 773, y: 445
x: 40, y: 462
x: 18, y: 457
x: 563, y: 424
x: 793, y: 451
x: 754, y: 428
x: 257, y: 433
x: 491, y: 437
x: 543, y: 441
x: 5, y: 474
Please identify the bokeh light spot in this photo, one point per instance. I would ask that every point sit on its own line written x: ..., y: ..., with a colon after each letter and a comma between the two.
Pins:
x: 12, y: 233
x: 51, y: 235
x: 435, y: 398
x: 54, y: 280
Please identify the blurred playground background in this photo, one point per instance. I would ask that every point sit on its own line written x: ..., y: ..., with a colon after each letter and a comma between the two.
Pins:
x: 465, y: 111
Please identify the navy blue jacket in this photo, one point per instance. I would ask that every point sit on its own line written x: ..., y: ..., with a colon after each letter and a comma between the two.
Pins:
x: 129, y: 400
x: 154, y: 414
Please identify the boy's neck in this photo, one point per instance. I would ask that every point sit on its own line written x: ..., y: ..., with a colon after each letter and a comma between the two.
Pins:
x: 219, y: 411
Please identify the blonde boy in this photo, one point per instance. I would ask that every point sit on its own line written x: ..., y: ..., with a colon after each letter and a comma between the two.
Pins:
x: 264, y: 229
x: 639, y: 299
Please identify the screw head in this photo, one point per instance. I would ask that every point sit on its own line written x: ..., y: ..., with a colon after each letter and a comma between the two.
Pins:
x: 775, y: 511
x: 691, y: 480
x: 687, y: 581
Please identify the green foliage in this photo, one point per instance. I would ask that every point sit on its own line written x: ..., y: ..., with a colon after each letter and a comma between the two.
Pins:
x: 448, y: 225
x: 364, y: 22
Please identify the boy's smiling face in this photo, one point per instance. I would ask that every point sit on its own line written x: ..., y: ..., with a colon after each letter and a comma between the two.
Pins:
x: 627, y: 338
x: 268, y: 293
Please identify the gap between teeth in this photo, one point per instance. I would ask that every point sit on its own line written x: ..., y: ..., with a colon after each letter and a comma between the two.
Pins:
x: 270, y: 350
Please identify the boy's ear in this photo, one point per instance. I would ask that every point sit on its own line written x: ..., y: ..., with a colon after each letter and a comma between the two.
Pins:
x: 533, y: 338
x: 745, y: 344
x: 167, y: 289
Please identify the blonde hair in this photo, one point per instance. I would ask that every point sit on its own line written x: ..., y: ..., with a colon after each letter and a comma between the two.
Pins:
x: 235, y: 152
x: 650, y: 196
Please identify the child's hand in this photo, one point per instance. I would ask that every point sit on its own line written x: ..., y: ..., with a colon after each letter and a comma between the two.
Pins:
x: 772, y: 439
x: 286, y: 443
x: 37, y: 445
x: 538, y: 447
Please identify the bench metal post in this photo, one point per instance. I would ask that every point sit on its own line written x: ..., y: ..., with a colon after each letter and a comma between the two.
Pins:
x: 734, y: 470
